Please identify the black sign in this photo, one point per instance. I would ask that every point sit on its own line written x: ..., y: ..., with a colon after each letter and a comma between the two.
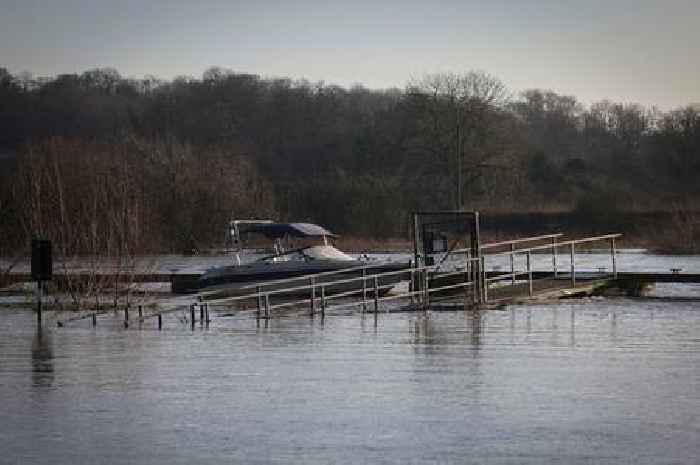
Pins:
x: 42, y: 266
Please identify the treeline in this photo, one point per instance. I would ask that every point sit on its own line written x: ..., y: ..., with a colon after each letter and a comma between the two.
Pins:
x: 171, y: 161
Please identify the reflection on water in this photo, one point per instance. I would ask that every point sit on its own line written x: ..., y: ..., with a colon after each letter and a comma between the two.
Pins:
x: 42, y: 359
x: 600, y: 381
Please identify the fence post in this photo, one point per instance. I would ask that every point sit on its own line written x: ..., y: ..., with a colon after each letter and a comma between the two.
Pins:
x: 554, y: 256
x: 572, y: 252
x: 529, y: 272
x: 512, y: 263
x: 614, y: 258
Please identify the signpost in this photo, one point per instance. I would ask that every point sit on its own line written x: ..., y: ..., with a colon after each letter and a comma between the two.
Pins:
x: 42, y: 270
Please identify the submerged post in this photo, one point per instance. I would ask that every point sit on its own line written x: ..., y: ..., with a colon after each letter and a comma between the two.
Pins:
x: 512, y: 263
x: 364, y: 289
x: 554, y: 256
x: 572, y: 252
x: 529, y: 272
x: 613, y: 253
x: 376, y: 294
x: 426, y: 301
x: 482, y: 280
x: 323, y: 301
x: 313, y: 296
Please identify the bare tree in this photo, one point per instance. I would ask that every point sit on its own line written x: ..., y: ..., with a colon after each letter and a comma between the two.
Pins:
x: 458, y: 115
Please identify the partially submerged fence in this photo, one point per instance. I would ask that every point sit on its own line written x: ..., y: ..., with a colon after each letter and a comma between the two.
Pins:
x: 423, y: 281
x: 425, y: 284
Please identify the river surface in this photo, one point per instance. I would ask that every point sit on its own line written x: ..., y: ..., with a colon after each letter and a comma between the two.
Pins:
x: 592, y: 381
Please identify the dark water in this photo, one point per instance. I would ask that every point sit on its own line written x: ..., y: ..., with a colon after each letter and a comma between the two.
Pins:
x: 608, y: 381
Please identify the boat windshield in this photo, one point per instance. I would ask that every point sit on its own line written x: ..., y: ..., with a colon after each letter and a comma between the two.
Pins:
x: 313, y: 253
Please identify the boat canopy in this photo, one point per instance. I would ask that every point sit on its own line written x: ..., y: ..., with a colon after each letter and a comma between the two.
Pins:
x: 280, y: 230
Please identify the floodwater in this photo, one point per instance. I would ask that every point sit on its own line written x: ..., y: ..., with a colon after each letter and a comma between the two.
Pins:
x: 593, y: 381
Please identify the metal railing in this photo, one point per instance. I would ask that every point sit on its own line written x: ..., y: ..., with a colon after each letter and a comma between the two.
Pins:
x: 369, y: 287
x: 571, y: 244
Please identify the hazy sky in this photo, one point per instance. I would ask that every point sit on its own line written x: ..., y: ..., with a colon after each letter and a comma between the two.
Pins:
x: 644, y: 51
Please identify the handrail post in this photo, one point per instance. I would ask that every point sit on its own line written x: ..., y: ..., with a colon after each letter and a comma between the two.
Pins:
x: 482, y: 279
x: 554, y: 256
x: 313, y: 296
x: 466, y: 286
x: 376, y: 295
x: 572, y: 252
x: 364, y: 289
x: 474, y: 266
x: 614, y: 258
x: 512, y: 262
x: 427, y: 289
x: 529, y: 272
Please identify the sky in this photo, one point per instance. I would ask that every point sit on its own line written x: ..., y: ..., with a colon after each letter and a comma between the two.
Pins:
x: 632, y: 51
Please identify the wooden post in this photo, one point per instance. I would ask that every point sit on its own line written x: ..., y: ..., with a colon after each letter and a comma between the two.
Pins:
x: 126, y: 316
x: 529, y: 272
x: 201, y: 313
x: 160, y: 321
x: 140, y: 312
x: 411, y: 286
x: 572, y: 252
x: 257, y: 289
x: 94, y: 319
x: 613, y: 253
x: 206, y: 314
x: 554, y: 256
x: 512, y: 263
x: 267, y: 306
x: 192, y: 315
